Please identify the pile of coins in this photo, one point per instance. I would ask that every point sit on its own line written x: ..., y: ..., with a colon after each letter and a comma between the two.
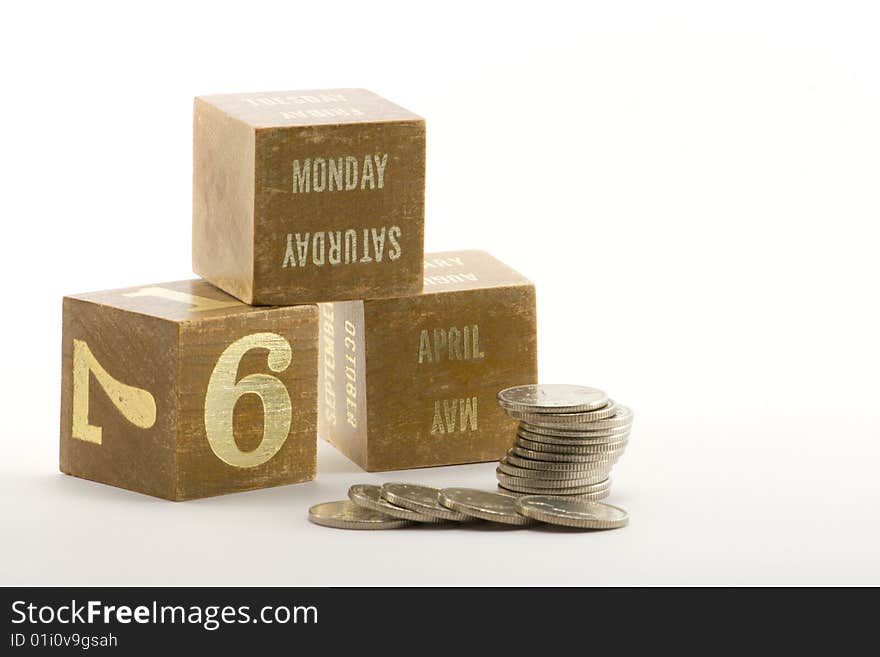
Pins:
x: 569, y: 438
x: 396, y: 505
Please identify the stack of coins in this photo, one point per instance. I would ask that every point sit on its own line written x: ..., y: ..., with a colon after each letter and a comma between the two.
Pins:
x: 394, y: 505
x: 569, y: 438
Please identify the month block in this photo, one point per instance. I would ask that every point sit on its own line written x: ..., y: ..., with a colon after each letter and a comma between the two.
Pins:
x: 306, y: 196
x: 411, y: 381
x: 180, y: 391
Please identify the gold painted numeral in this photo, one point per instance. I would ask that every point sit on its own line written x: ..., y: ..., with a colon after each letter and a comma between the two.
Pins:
x: 135, y: 404
x: 224, y: 391
x: 199, y: 304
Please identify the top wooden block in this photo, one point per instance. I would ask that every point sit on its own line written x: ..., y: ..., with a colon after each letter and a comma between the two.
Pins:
x: 308, y: 196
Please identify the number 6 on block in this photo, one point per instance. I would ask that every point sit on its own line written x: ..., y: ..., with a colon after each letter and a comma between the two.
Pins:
x: 224, y: 392
x: 176, y: 361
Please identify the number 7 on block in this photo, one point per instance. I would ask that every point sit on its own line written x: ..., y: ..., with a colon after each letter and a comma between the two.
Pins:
x: 135, y: 404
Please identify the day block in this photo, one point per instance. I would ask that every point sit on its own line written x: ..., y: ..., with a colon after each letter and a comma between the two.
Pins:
x: 411, y: 381
x: 305, y: 196
x: 180, y: 391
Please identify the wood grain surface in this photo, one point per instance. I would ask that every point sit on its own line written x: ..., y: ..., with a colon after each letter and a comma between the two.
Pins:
x: 302, y: 197
x: 180, y: 391
x: 411, y: 381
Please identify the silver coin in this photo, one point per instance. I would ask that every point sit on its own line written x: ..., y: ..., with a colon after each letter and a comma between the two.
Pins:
x: 555, y: 466
x: 613, y: 455
x: 494, y: 507
x: 558, y: 398
x: 604, y: 437
x: 578, y: 434
x: 570, y: 477
x: 423, y: 499
x: 552, y: 484
x: 566, y: 419
x: 345, y: 514
x: 573, y: 513
x: 622, y: 418
x: 593, y: 448
x: 527, y: 486
x: 610, y: 457
x: 592, y: 497
x: 371, y: 497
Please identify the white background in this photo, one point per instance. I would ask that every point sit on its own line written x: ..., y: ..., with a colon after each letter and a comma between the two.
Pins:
x: 693, y: 186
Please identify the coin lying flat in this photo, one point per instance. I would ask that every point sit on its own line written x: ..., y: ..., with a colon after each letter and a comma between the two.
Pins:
x: 555, y: 466
x: 524, y: 486
x: 566, y: 419
x: 590, y: 497
x: 597, y: 448
x: 571, y: 477
x: 573, y: 513
x: 526, y: 453
x: 556, y: 398
x: 423, y: 499
x: 494, y: 507
x: 611, y: 436
x: 371, y: 497
x: 345, y: 514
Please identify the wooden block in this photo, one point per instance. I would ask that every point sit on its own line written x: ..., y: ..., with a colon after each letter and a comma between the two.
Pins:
x: 411, y: 381
x: 180, y: 391
x: 308, y: 196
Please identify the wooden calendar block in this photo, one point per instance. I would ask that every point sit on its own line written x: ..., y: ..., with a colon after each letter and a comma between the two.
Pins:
x: 411, y: 381
x: 180, y: 391
x: 305, y: 196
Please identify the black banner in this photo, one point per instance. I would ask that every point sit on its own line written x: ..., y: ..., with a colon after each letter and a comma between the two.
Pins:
x: 238, y: 620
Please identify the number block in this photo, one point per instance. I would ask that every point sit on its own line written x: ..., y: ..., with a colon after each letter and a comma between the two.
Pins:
x: 180, y: 391
x: 308, y: 196
x: 411, y: 381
